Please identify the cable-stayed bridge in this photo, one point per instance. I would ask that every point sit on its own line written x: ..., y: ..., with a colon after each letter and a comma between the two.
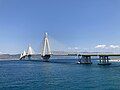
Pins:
x: 83, y: 57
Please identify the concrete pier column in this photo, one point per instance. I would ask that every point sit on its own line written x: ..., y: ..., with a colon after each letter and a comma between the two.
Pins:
x: 86, y: 59
x: 104, y: 60
x: 23, y: 58
x: 79, y: 59
x: 29, y: 57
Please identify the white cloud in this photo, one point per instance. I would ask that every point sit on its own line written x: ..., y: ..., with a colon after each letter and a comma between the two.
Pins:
x: 72, y: 48
x: 1, y: 53
x: 114, y: 46
x: 100, y: 46
x: 75, y: 47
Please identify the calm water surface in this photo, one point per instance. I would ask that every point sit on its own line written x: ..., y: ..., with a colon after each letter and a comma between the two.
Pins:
x: 58, y: 75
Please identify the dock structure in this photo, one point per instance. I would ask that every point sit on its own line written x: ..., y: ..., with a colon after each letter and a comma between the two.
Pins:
x: 103, y: 58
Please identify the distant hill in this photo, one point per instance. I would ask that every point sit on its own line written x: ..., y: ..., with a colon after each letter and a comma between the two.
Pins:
x: 8, y: 56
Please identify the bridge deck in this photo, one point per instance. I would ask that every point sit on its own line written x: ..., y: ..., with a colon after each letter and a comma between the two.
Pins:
x: 99, y: 55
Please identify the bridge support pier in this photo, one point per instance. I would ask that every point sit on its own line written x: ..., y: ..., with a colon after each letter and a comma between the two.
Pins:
x: 85, y: 59
x: 29, y: 57
x: 104, y: 60
x: 23, y: 58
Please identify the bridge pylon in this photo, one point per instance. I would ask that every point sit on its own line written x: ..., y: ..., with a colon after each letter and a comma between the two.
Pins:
x: 46, y: 52
x: 30, y: 52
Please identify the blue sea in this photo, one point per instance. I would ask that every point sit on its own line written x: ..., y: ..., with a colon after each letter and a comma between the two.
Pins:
x: 58, y: 75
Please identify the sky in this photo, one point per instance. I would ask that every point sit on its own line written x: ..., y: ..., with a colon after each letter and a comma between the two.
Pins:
x: 78, y: 24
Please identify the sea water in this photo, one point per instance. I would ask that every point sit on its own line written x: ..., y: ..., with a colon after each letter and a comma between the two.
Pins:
x: 58, y: 75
